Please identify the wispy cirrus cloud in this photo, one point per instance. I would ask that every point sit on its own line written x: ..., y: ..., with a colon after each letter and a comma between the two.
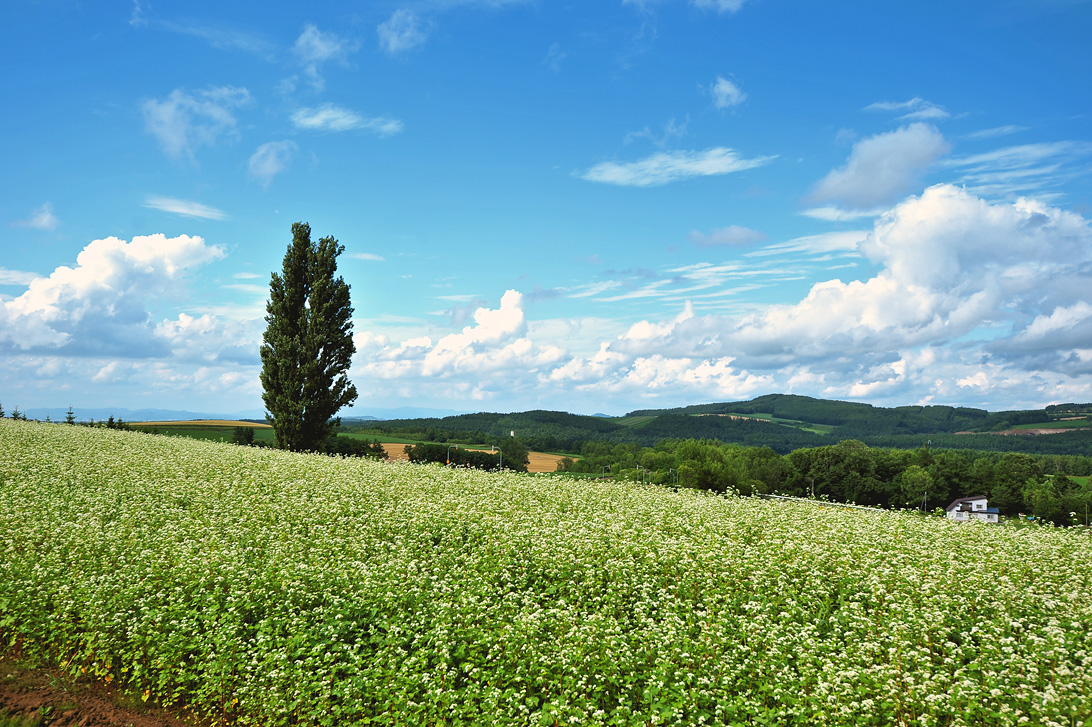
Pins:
x: 329, y: 117
x: 671, y: 130
x: 824, y: 244
x: 314, y: 48
x: 831, y: 213
x: 185, y: 208
x: 186, y: 121
x: 269, y: 160
x: 666, y: 167
x: 1023, y: 169
x: 16, y: 277
x: 224, y: 38
x: 721, y: 6
x: 42, y: 218
x: 726, y: 94
x: 733, y: 235
x: 403, y: 31
x: 916, y: 109
x: 218, y: 36
x: 995, y: 132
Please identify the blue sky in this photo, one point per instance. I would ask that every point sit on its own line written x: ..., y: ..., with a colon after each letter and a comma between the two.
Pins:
x: 590, y: 207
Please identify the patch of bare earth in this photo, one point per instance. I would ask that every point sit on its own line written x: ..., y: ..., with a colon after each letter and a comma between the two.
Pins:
x: 1024, y: 432
x: 537, y: 461
x: 38, y: 697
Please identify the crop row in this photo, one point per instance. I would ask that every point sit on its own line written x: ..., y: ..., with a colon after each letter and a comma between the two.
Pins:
x: 261, y: 587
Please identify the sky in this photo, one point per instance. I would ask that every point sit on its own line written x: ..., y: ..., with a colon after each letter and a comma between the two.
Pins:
x: 591, y: 207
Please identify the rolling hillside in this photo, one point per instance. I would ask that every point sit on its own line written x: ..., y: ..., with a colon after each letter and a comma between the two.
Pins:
x: 782, y: 422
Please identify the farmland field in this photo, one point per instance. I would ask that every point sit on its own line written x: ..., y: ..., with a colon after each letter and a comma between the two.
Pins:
x: 216, y: 430
x: 536, y: 461
x: 256, y: 586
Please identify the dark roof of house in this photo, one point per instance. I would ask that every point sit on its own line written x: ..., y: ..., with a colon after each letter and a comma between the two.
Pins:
x: 959, y: 501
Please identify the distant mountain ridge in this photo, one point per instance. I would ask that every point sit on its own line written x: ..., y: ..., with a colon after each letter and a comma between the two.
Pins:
x: 135, y: 415
x: 163, y: 415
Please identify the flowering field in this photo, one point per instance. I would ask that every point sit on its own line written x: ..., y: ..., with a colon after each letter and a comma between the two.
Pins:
x: 260, y: 587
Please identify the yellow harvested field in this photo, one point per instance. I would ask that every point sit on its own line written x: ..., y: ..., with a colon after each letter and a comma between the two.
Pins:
x: 201, y: 423
x: 395, y: 450
x: 537, y: 461
x: 542, y: 462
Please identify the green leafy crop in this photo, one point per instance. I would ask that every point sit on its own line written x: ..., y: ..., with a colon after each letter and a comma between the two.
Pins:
x: 257, y: 586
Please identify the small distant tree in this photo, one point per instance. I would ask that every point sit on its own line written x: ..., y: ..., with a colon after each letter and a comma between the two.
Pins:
x: 70, y: 417
x: 243, y: 436
x: 308, y: 344
x: 1, y: 410
x: 16, y: 414
x: 110, y: 422
x: 515, y: 454
x: 915, y: 484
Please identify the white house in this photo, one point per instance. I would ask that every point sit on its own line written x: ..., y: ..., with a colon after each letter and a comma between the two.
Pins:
x: 972, y: 508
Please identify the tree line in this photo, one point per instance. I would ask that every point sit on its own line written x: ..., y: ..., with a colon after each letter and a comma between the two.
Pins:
x: 852, y: 471
x: 511, y: 454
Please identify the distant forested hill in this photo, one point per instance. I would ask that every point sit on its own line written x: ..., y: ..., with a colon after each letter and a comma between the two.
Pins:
x: 782, y: 422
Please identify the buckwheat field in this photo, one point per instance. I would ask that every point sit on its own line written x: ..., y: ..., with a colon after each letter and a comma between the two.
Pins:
x: 256, y: 587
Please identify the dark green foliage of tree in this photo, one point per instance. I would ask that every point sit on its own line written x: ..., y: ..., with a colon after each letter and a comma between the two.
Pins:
x: 70, y: 417
x: 1011, y: 477
x: 308, y: 344
x: 243, y: 436
x: 915, y: 484
x: 516, y: 456
x: 351, y: 447
x: 457, y: 457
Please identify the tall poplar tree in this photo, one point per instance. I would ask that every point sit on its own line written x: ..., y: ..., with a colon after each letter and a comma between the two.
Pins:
x: 308, y: 344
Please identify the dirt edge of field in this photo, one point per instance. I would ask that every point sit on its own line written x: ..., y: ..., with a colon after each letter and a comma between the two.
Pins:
x: 39, y: 697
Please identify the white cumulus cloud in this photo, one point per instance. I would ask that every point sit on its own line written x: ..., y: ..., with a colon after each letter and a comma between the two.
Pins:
x: 882, y: 168
x: 99, y: 306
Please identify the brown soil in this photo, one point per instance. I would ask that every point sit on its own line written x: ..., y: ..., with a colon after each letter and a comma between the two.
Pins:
x: 537, y: 461
x: 33, y: 697
x: 1024, y: 432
